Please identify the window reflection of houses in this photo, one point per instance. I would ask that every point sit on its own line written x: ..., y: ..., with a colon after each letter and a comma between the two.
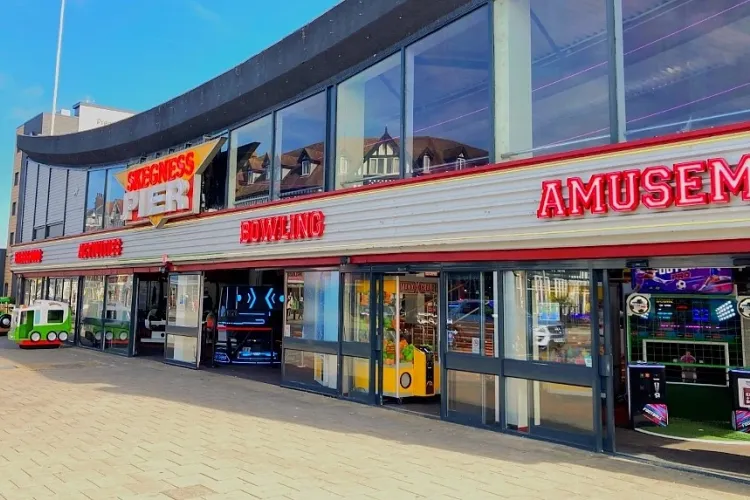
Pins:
x: 431, y: 155
x: 95, y: 214
x: 113, y: 213
x: 252, y: 174
x: 302, y: 171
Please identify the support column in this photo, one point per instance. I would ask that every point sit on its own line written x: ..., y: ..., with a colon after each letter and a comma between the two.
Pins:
x: 511, y: 40
x: 516, y: 347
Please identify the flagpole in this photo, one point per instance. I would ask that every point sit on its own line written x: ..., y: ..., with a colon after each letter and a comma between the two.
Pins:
x: 57, y: 67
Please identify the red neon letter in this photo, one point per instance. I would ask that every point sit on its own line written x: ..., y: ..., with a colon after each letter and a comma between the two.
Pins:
x: 552, y: 203
x: 688, y: 184
x: 723, y: 178
x: 631, y: 188
x: 586, y: 196
x: 655, y: 180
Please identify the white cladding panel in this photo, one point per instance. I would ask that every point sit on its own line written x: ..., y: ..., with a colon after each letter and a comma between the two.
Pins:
x: 75, y: 206
x: 29, y: 201
x: 42, y: 196
x: 491, y: 210
x: 57, y: 190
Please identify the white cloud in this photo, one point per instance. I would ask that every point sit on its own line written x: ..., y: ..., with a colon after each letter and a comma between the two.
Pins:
x: 203, y: 12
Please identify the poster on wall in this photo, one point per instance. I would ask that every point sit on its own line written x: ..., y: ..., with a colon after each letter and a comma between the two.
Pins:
x: 698, y: 280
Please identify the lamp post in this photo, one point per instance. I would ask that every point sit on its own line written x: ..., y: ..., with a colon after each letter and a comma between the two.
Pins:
x: 57, y: 68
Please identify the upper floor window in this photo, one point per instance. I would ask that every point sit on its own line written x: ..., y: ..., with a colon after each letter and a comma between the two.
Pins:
x: 12, y: 238
x: 249, y: 158
x: 368, y: 106
x: 94, y: 216
x: 300, y: 147
x: 16, y: 178
x: 13, y: 209
x: 214, y: 181
x: 448, y: 97
x: 685, y: 66
x: 113, y: 208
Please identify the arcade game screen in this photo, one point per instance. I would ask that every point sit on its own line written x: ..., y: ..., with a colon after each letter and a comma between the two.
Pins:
x: 697, y: 338
x: 249, y: 325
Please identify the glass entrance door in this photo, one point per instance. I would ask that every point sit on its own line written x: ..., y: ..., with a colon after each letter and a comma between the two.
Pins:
x: 184, y: 320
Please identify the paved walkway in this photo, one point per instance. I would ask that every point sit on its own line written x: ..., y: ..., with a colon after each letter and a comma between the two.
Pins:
x: 77, y: 424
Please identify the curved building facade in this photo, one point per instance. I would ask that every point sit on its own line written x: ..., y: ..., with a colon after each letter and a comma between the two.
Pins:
x: 466, y: 203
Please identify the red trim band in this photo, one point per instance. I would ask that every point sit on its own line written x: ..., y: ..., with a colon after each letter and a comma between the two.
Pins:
x: 41, y: 343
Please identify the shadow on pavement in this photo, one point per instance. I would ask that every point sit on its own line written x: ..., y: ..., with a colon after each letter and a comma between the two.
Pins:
x: 208, y: 389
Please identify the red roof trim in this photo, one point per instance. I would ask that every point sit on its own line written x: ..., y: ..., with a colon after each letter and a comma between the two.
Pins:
x: 526, y: 162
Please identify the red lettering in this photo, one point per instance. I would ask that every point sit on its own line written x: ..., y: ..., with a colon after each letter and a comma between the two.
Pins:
x: 724, y: 180
x: 655, y: 180
x: 688, y: 185
x: 189, y: 163
x: 28, y: 256
x: 586, y: 196
x: 283, y: 227
x: 624, y: 190
x: 552, y: 203
x: 317, y: 224
x: 100, y: 249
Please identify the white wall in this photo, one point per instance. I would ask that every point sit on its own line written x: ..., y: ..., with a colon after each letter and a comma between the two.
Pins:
x: 90, y: 116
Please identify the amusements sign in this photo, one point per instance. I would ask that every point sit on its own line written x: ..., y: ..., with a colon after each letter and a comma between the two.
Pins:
x: 28, y: 256
x: 166, y: 187
x: 703, y: 280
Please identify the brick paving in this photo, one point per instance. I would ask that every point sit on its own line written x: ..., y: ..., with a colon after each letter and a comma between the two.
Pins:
x: 83, y: 425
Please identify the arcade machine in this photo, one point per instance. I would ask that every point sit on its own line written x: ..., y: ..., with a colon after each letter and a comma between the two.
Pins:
x: 411, y: 363
x: 249, y: 325
x: 683, y: 327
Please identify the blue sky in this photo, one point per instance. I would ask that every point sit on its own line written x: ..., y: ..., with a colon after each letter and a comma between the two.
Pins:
x: 130, y: 54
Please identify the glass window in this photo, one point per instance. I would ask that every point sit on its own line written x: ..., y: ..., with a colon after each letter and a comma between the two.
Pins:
x: 547, y: 316
x: 95, y: 200
x: 55, y: 230
x: 185, y: 298
x: 250, y: 157
x: 311, y: 369
x: 113, y: 202
x: 16, y: 176
x: 685, y: 65
x: 70, y: 294
x: 448, y: 123
x: 13, y: 209
x: 356, y: 307
x: 543, y: 407
x: 92, y: 302
x: 313, y: 305
x: 356, y: 378
x: 117, y: 314
x: 474, y: 397
x: 471, y: 313
x: 55, y: 317
x: 569, y: 74
x: 300, y: 147
x: 214, y: 181
x: 182, y: 349
x: 368, y: 124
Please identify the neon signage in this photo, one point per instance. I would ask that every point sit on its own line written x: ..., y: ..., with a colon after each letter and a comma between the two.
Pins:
x: 290, y: 227
x: 100, y: 249
x: 28, y: 256
x: 689, y: 184
x: 167, y: 187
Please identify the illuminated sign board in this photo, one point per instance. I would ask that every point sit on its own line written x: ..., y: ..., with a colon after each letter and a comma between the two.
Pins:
x: 689, y: 184
x: 100, y: 249
x: 28, y: 256
x: 168, y: 186
x: 289, y: 227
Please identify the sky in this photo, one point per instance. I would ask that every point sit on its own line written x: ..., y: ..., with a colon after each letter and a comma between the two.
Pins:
x: 129, y: 54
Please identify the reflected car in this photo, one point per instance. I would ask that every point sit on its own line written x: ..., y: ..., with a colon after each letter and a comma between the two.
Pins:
x: 547, y: 335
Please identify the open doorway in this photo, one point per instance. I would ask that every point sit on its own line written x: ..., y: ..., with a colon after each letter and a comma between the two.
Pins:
x: 151, y: 315
x: 243, y: 314
x: 680, y: 340
x: 411, y: 342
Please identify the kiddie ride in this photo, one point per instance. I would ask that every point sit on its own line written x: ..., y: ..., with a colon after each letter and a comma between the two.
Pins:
x: 6, y: 314
x: 45, y: 323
